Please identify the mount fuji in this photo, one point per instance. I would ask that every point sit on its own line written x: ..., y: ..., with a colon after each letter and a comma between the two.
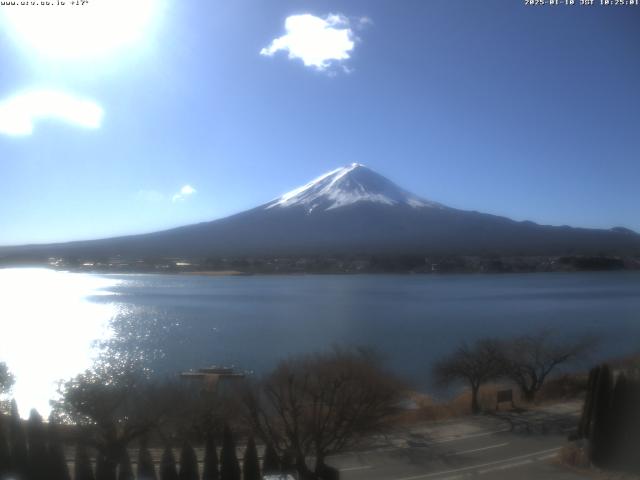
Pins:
x: 351, y: 211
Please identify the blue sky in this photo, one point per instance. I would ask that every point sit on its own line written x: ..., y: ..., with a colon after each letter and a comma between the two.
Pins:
x: 191, y: 111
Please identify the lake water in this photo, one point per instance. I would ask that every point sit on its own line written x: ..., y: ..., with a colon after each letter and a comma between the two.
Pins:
x: 49, y: 319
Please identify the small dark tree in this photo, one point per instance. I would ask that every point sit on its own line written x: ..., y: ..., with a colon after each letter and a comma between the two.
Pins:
x: 168, y: 470
x: 58, y: 468
x: 288, y: 462
x: 146, y: 470
x: 18, y: 442
x: 614, y: 426
x: 584, y: 426
x: 83, y: 468
x: 125, y: 471
x: 633, y: 455
x: 624, y: 423
x: 619, y: 419
x: 229, y: 466
x: 210, y: 470
x: 37, y: 454
x: 101, y: 473
x: 599, y: 440
x: 270, y: 461
x: 251, y: 465
x: 106, y: 467
x: 188, y: 463
x: 5, y: 455
x: 474, y: 365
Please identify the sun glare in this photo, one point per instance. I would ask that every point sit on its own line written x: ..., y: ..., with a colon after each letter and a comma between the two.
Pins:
x: 52, y: 338
x: 19, y: 113
x: 75, y: 32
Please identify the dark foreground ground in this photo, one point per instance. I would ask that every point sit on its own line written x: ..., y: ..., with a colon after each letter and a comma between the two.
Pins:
x: 522, y: 445
x: 507, y: 445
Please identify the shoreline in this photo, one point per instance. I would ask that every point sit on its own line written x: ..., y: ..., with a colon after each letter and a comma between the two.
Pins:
x: 338, y: 265
x: 239, y: 273
x: 212, y: 273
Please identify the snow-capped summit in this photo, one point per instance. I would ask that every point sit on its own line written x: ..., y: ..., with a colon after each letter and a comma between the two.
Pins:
x: 348, y: 185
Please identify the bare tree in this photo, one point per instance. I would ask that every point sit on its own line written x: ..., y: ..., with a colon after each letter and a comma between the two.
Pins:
x: 319, y: 405
x: 529, y: 359
x: 474, y: 365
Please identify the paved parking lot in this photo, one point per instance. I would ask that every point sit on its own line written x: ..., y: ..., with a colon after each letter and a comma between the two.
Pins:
x: 505, y: 445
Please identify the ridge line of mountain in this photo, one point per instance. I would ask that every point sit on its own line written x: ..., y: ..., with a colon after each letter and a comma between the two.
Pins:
x: 351, y: 211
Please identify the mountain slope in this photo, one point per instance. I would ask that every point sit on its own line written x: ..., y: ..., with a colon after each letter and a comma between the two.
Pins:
x: 352, y: 210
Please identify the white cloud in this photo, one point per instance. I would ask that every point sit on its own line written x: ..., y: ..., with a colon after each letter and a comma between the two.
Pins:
x: 318, y: 42
x: 18, y: 114
x: 184, y: 192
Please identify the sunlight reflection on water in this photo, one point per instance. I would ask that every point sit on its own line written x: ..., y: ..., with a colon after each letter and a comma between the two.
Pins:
x: 48, y: 327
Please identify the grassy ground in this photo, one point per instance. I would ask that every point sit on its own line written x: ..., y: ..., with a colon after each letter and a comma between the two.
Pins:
x: 557, y: 390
